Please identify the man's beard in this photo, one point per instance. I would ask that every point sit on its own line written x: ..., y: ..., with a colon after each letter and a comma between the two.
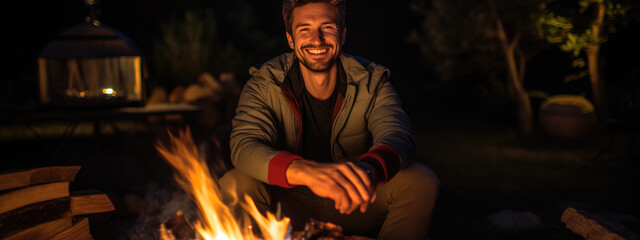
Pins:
x: 319, y: 67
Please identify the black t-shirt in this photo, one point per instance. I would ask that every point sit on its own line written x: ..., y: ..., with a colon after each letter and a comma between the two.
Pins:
x: 317, y: 115
x: 317, y: 118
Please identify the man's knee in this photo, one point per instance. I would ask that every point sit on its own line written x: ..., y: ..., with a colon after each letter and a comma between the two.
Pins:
x: 412, y: 194
x: 418, y: 178
x: 234, y: 184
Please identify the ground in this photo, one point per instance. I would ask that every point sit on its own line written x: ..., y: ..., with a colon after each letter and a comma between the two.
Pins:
x: 484, y: 166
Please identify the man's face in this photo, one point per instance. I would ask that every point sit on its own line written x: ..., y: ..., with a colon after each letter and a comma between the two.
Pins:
x: 315, y: 38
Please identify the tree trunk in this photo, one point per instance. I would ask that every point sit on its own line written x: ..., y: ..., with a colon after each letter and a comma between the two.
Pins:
x: 525, y: 114
x: 597, y: 84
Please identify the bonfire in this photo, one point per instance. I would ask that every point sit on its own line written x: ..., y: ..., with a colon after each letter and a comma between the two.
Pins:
x: 215, y: 218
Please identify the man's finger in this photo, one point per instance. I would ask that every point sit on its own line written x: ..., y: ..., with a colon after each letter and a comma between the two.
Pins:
x: 352, y: 192
x: 341, y: 198
x: 363, y: 206
x: 360, y: 179
x: 364, y: 176
x: 341, y: 203
x: 339, y: 195
x: 366, y: 189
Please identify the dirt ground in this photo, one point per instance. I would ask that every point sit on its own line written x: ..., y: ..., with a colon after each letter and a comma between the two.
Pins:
x: 484, y: 167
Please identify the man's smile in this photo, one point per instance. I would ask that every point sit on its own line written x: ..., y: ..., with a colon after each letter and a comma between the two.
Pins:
x: 317, y: 57
x: 317, y: 50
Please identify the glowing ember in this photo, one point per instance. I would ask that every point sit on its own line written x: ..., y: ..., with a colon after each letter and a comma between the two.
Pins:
x: 216, y: 220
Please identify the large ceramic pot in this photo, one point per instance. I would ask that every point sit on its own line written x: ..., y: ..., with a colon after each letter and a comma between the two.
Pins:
x: 567, y: 116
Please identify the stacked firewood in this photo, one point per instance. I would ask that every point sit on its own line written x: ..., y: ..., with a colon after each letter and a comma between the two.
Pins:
x: 37, y: 204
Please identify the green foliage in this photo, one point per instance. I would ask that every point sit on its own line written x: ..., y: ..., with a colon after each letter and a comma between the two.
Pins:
x: 185, y: 47
x: 453, y: 39
x: 459, y: 39
x: 576, y: 43
x: 496, y: 90
x: 561, y: 30
x: 553, y: 28
x: 612, y: 8
x: 578, y: 63
x: 194, y: 43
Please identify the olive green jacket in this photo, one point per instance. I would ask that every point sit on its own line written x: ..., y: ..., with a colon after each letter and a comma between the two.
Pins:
x: 369, y: 122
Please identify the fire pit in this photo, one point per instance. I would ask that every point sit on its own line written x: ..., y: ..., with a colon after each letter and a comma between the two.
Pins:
x: 215, y: 218
x: 178, y: 228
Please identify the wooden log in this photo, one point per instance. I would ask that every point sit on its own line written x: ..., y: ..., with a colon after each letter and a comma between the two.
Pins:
x: 297, y: 235
x: 43, y: 231
x: 315, y: 229
x: 79, y: 231
x: 21, y: 197
x: 89, y: 202
x: 24, y: 178
x: 592, y: 226
x: 177, y: 228
x: 32, y: 215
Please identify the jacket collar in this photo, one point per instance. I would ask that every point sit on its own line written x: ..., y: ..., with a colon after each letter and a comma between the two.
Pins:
x: 357, y: 69
x: 294, y: 81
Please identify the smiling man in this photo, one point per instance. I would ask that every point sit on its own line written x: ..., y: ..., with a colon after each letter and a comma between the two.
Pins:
x: 318, y: 39
x: 323, y: 134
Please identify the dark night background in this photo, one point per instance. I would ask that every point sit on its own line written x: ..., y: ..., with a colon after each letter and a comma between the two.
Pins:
x: 456, y: 122
x: 377, y: 30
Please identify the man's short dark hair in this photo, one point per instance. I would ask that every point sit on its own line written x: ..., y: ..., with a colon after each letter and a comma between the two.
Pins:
x: 288, y: 6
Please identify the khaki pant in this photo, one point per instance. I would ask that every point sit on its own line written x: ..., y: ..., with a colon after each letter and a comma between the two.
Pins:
x: 402, y: 209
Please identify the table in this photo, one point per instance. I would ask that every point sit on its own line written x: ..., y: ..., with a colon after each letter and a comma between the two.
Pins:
x: 73, y: 118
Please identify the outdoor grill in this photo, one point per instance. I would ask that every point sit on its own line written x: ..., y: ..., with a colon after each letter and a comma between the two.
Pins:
x: 91, y: 65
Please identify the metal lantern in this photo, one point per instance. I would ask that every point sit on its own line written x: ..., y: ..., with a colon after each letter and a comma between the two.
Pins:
x: 91, y: 64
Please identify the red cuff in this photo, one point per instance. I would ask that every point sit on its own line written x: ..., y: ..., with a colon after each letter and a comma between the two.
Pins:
x: 278, y: 165
x: 388, y: 159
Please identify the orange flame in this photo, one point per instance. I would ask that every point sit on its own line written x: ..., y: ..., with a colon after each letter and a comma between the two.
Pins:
x: 216, y: 220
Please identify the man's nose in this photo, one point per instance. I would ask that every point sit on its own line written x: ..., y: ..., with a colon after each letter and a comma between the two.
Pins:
x: 317, y: 38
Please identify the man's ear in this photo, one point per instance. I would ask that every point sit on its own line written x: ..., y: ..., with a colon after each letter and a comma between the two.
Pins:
x: 290, y: 40
x: 344, y: 35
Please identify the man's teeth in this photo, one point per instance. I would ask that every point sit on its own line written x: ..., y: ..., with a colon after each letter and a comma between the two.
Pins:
x: 317, y: 51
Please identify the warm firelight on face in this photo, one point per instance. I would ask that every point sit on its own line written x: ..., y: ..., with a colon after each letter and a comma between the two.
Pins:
x: 216, y: 220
